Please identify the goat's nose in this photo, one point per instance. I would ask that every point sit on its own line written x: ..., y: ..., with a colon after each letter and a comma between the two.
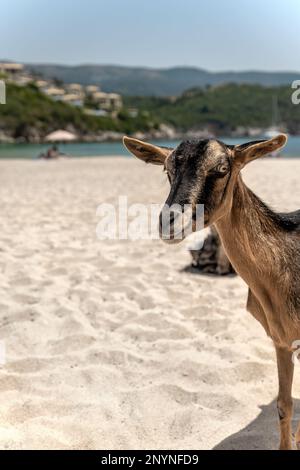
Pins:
x: 172, y: 217
x: 167, y: 220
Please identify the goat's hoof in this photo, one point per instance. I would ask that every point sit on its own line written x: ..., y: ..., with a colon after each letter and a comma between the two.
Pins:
x: 286, y: 446
x: 297, y: 439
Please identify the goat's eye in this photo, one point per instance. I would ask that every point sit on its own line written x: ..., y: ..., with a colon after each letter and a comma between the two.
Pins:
x: 222, y: 168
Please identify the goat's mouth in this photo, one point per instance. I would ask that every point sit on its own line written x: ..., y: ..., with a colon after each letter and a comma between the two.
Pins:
x: 177, y: 231
x: 173, y: 238
x: 176, y: 224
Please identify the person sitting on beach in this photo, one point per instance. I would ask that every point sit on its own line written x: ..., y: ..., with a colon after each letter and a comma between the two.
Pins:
x: 52, y: 152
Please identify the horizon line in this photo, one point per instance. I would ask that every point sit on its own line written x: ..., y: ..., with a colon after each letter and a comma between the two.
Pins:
x: 171, y: 67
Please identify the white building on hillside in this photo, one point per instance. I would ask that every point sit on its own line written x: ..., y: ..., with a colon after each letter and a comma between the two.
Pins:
x: 54, y: 93
x: 11, y: 68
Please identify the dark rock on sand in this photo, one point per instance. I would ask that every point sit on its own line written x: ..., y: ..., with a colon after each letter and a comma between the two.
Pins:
x: 211, y: 258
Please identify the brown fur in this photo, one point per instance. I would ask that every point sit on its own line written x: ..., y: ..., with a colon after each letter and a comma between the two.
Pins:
x: 262, y: 247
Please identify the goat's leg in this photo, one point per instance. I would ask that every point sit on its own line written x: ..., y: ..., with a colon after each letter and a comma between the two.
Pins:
x: 298, y: 437
x: 285, y: 403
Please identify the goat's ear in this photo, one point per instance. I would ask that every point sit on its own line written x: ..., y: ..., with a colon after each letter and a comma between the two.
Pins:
x: 147, y: 152
x: 245, y: 153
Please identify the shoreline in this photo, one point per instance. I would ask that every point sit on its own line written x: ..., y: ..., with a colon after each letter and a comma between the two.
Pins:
x: 74, y: 149
x: 114, y: 137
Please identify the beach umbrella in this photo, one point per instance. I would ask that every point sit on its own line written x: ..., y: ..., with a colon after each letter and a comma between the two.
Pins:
x: 60, y: 136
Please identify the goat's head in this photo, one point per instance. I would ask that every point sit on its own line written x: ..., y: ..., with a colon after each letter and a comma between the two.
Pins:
x: 202, y: 172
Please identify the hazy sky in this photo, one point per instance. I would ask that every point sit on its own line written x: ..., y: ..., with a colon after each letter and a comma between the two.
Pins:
x: 212, y: 34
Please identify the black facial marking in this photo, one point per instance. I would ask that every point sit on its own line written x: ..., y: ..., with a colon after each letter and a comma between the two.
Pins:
x: 198, y: 171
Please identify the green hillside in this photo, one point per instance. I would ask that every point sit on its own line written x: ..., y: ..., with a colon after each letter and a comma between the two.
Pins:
x: 223, y: 108
x: 30, y: 114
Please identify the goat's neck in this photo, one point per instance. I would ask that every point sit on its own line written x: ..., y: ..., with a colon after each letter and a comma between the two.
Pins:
x: 249, y: 234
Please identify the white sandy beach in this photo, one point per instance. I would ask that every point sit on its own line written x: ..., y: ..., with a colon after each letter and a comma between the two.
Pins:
x: 111, y: 344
